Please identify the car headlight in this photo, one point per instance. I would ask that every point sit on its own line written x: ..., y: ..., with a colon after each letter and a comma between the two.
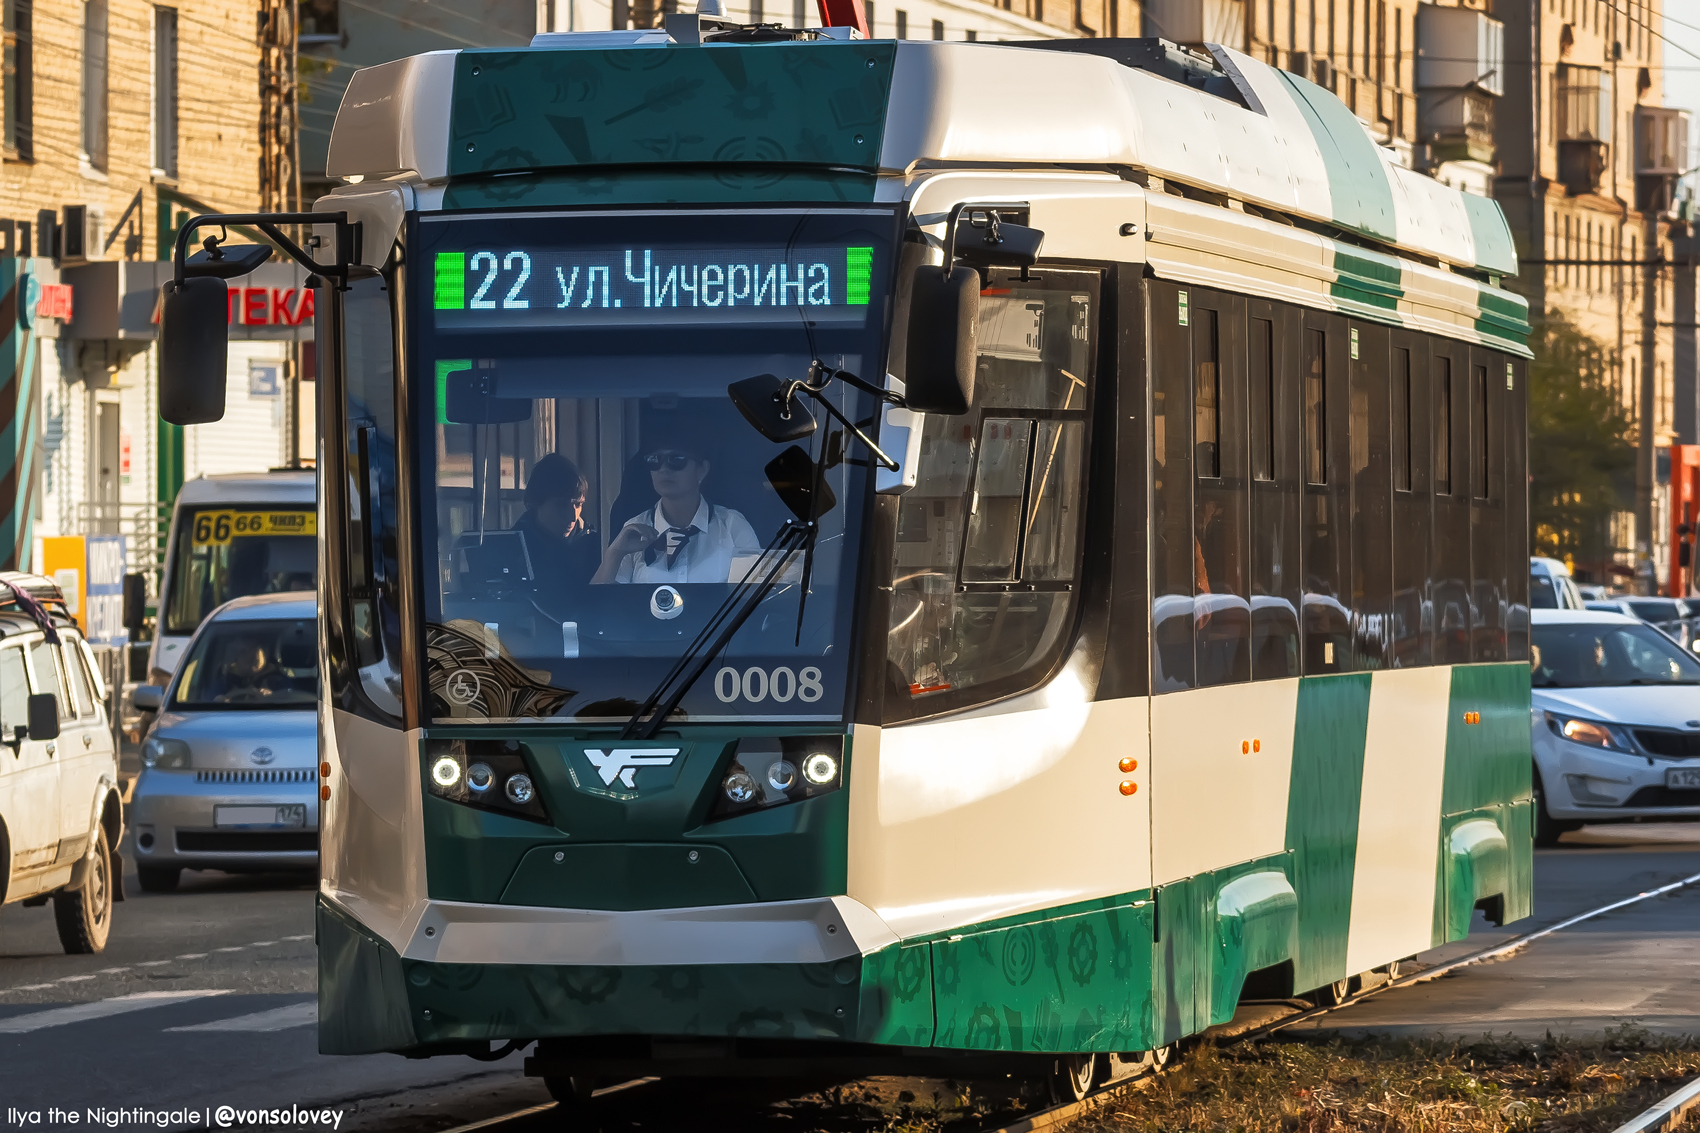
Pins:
x: 767, y: 772
x: 1591, y: 733
x: 165, y: 754
x: 484, y: 774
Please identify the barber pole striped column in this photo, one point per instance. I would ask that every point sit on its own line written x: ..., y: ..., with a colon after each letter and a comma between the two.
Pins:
x: 20, y: 426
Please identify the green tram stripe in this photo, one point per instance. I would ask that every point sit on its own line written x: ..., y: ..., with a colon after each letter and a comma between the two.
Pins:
x: 858, y: 275
x: 1322, y: 818
x: 450, y: 283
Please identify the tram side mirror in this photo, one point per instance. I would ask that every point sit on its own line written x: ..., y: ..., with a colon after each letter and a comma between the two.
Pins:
x: 194, y: 344
x: 43, y: 712
x: 944, y: 312
x: 760, y: 399
x: 1002, y: 245
x: 792, y: 475
x: 472, y: 400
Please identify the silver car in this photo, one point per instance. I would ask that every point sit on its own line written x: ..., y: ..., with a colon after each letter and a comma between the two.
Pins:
x: 229, y: 770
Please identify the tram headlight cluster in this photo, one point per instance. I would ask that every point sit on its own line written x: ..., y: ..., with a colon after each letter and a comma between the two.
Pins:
x: 487, y: 774
x: 772, y: 771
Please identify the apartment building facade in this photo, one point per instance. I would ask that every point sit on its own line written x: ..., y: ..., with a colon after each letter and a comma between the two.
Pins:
x: 121, y: 118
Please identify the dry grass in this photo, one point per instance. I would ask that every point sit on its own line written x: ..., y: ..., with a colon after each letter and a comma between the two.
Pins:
x: 1398, y: 1086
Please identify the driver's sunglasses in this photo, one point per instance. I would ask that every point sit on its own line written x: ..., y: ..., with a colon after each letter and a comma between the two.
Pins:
x: 674, y: 461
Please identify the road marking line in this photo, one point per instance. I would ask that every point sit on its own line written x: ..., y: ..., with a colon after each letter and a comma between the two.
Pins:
x: 262, y: 944
x: 193, y: 956
x: 303, y: 936
x: 152, y: 963
x: 99, y: 1009
x: 277, y: 1019
x: 238, y: 948
x: 73, y: 979
x: 111, y: 971
x: 31, y: 987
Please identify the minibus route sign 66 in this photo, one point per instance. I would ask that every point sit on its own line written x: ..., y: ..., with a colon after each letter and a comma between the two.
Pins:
x: 217, y: 528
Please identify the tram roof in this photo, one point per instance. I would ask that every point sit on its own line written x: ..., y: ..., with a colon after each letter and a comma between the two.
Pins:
x: 1227, y: 125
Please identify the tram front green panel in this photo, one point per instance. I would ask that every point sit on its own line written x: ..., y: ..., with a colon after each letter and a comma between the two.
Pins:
x: 735, y: 107
x: 631, y: 849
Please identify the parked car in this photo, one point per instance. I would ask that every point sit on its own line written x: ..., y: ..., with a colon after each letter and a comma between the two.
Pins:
x: 229, y: 769
x: 61, y: 817
x: 1592, y: 592
x: 1616, y: 722
x: 1550, y: 586
x: 1672, y: 615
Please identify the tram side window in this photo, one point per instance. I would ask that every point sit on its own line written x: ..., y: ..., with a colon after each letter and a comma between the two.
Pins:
x: 371, y: 534
x: 1221, y: 612
x: 988, y: 540
x: 1449, y: 580
x: 1412, y: 629
x: 1275, y: 456
x: 1327, y: 629
x: 1372, y: 533
x: 1515, y: 433
x: 1488, y: 536
x: 1174, y: 554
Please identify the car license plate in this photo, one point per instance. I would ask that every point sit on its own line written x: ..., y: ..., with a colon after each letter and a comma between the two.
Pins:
x: 293, y: 814
x: 1683, y: 778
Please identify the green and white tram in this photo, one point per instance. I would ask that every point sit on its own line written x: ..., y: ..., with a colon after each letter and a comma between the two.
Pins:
x: 871, y: 551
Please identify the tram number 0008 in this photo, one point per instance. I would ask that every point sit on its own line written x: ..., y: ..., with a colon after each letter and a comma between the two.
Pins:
x: 756, y: 684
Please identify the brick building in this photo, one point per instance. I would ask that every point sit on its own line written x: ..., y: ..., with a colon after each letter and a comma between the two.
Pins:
x: 121, y: 118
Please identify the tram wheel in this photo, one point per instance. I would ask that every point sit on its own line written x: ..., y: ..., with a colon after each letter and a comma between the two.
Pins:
x: 570, y: 1092
x: 1072, y: 1076
x: 1332, y: 995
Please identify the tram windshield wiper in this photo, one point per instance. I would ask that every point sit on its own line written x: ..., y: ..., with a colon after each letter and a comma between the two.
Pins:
x: 722, y: 626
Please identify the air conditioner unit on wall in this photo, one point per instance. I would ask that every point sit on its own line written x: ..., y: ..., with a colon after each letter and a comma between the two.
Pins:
x: 82, y: 234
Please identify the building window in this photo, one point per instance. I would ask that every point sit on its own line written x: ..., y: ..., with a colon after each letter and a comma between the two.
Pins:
x: 319, y: 22
x: 902, y: 24
x: 20, y: 80
x: 938, y: 29
x: 165, y: 90
x: 973, y: 36
x: 94, y: 82
x: 1582, y: 100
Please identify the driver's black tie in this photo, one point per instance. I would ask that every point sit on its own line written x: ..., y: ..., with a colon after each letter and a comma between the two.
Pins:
x: 675, y: 538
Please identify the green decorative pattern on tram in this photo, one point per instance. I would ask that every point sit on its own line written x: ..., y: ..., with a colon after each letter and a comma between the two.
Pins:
x: 897, y: 996
x: 1367, y: 284
x: 1505, y: 318
x: 630, y: 849
x: 1322, y: 818
x: 628, y: 188
x: 821, y: 104
x: 1070, y: 983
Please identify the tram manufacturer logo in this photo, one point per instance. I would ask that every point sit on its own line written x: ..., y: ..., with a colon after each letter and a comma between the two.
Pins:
x: 623, y: 763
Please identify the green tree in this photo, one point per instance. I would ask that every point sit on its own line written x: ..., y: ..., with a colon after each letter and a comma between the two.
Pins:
x: 1581, y: 442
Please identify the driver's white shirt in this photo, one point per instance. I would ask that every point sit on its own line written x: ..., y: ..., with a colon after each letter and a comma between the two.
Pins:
x: 723, y: 534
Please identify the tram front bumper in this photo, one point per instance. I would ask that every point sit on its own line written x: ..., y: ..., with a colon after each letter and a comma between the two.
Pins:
x: 373, y: 998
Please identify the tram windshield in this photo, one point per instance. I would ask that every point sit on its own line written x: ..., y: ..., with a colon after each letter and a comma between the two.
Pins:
x: 592, y: 494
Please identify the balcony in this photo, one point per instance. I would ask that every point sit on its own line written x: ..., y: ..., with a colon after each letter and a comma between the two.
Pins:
x: 1661, y: 156
x: 1459, y: 48
x: 1583, y: 119
x: 1456, y: 124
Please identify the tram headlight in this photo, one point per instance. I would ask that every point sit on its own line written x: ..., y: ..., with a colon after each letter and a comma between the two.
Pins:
x: 519, y: 790
x: 491, y: 775
x: 770, y: 771
x: 445, y: 772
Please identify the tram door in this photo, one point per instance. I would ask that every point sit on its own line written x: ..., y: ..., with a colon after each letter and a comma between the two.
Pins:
x: 1225, y: 467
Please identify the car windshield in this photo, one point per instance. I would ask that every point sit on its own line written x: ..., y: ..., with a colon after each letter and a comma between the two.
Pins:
x: 236, y: 550
x: 1588, y: 654
x: 593, y: 494
x: 251, y: 664
x: 1543, y: 595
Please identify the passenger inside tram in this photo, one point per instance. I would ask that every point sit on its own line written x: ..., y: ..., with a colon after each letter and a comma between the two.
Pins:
x: 563, y: 550
x: 685, y: 537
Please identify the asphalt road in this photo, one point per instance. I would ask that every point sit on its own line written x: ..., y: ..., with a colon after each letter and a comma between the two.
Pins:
x: 205, y: 997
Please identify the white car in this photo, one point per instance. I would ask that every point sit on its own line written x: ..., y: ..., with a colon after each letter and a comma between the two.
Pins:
x: 1616, y: 722
x: 61, y: 817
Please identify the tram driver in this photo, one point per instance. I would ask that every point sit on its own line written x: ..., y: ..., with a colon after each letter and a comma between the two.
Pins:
x: 685, y: 537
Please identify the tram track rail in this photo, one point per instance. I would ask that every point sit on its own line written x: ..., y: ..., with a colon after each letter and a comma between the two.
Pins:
x: 1661, y: 1117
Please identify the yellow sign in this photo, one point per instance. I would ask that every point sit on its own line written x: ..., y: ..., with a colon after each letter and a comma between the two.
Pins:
x: 218, y: 528
x: 64, y: 559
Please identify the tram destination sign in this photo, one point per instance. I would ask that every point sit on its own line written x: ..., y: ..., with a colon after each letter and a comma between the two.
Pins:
x: 615, y: 287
